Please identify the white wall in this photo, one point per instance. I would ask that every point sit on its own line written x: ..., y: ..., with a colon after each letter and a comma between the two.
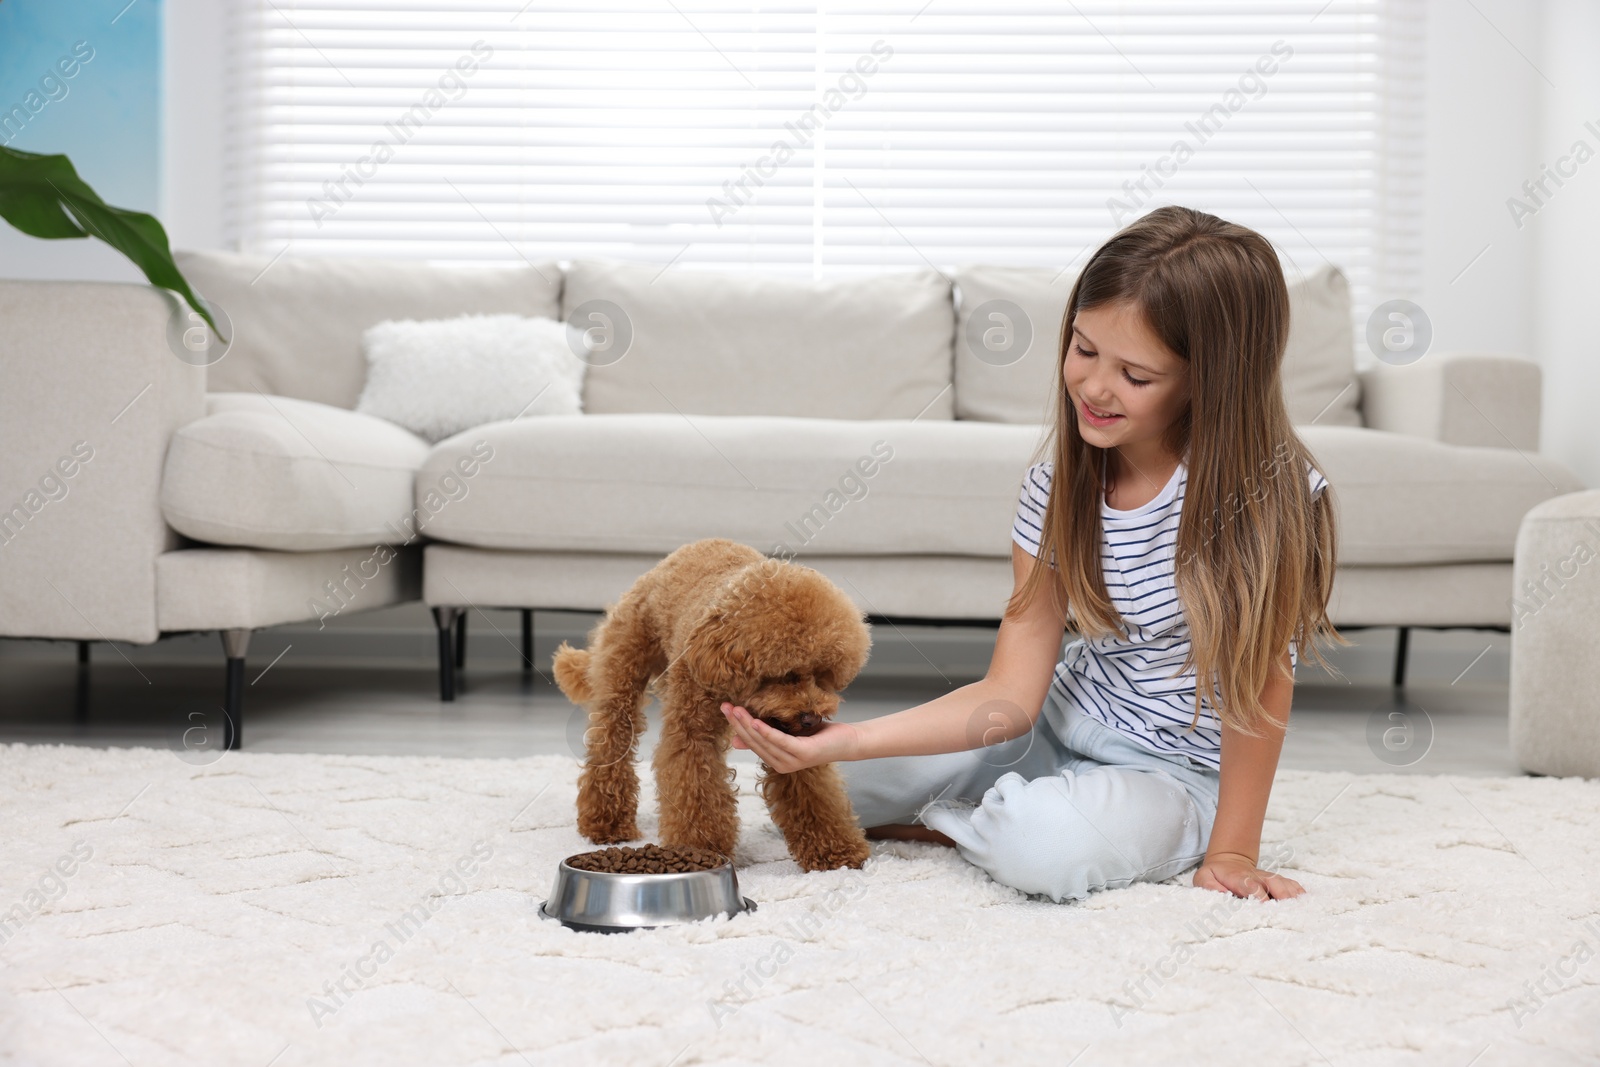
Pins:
x: 195, y: 112
x: 1482, y: 103
x: 1510, y: 84
x: 1565, y: 232
x: 84, y: 260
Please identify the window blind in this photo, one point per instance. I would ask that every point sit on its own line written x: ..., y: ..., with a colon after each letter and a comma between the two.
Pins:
x: 826, y: 138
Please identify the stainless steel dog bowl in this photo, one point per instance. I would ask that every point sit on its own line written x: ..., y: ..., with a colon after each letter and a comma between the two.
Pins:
x: 614, y: 903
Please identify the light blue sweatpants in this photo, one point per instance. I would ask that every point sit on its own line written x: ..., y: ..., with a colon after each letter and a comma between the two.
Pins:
x: 1068, y: 808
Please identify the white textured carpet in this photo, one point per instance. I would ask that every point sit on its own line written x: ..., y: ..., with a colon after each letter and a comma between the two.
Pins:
x: 1446, y: 919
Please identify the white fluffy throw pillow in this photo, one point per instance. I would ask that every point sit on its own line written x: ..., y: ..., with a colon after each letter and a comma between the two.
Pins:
x: 442, y: 376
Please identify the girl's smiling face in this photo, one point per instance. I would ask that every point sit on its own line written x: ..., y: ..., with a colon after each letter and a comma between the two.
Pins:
x: 1115, y: 365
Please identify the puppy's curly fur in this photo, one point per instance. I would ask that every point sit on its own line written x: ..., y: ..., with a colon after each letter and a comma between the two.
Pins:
x: 716, y: 620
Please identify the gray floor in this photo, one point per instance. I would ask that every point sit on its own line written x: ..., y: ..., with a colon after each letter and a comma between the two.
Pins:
x: 366, y: 685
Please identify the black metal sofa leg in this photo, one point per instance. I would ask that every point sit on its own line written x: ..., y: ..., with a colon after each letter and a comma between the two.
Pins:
x: 80, y: 704
x: 444, y: 620
x: 235, y: 645
x: 527, y: 640
x: 1401, y: 648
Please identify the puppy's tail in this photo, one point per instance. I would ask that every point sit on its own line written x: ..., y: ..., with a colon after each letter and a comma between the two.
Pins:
x: 571, y: 666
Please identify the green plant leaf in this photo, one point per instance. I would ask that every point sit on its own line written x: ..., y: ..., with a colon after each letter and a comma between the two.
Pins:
x: 43, y: 197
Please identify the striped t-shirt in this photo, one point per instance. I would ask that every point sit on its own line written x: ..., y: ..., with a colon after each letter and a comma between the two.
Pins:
x: 1129, y: 685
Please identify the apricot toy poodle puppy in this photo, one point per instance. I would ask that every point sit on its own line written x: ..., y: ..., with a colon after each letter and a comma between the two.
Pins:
x: 716, y: 620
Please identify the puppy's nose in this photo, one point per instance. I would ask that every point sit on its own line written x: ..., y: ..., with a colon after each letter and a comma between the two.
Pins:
x: 808, y: 723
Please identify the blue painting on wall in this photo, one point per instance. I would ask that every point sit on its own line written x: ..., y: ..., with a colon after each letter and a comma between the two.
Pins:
x: 84, y: 78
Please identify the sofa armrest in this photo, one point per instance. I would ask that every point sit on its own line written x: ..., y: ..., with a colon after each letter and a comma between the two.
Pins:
x: 90, y: 392
x: 1456, y: 398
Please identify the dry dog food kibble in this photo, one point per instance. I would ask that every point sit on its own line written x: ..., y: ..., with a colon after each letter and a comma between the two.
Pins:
x: 646, y: 859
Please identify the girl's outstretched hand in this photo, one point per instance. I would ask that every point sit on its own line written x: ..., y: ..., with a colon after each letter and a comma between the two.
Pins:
x: 1229, y: 872
x: 783, y: 753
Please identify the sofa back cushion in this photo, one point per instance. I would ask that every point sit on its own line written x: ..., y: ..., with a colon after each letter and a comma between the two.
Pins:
x: 1319, y: 364
x: 717, y: 343
x: 297, y: 323
x: 1008, y: 337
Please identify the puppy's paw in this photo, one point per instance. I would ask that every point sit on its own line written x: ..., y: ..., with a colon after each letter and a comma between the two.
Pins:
x: 834, y: 856
x: 608, y: 831
x: 721, y: 844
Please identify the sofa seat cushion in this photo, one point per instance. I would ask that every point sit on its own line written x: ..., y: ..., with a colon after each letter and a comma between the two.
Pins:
x: 722, y: 343
x: 823, y: 487
x: 1403, y: 499
x: 272, y: 472
x: 652, y: 482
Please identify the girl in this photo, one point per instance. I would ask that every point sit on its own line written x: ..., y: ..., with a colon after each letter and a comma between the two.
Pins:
x: 1185, y: 534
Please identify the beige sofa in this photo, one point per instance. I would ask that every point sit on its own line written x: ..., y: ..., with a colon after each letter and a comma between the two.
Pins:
x: 876, y: 428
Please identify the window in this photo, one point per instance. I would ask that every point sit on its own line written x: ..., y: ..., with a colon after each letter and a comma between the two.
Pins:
x: 825, y: 138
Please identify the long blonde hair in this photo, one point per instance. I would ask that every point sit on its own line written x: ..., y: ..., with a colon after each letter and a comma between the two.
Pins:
x: 1255, y: 554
